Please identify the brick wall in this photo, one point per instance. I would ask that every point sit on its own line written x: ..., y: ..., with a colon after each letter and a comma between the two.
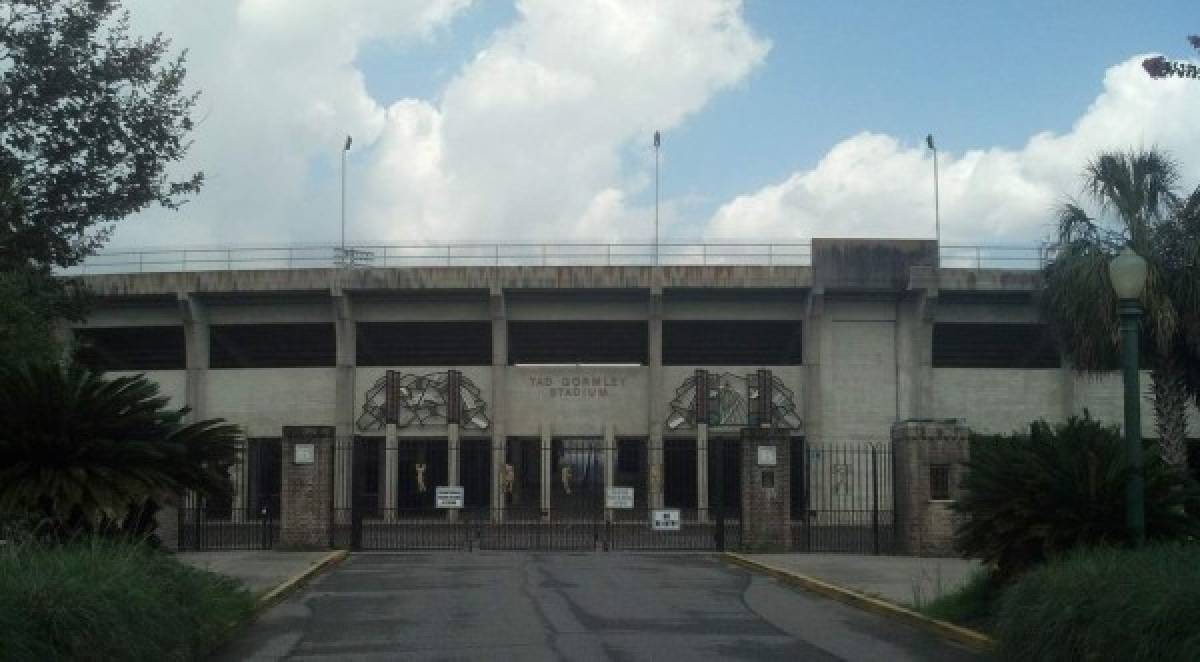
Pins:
x: 766, y: 493
x: 307, y: 489
x: 924, y: 526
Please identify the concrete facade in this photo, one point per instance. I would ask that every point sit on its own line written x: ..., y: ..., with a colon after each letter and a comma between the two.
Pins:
x: 868, y: 310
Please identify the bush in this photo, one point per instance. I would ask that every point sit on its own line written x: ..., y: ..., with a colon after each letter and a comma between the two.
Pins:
x: 83, y: 453
x: 104, y: 600
x: 1029, y: 497
x: 1106, y: 604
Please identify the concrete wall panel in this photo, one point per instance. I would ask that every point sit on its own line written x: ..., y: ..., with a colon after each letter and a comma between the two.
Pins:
x: 265, y: 400
x: 997, y: 401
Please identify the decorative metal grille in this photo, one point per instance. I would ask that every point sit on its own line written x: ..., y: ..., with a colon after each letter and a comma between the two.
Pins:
x: 727, y: 399
x: 435, y: 398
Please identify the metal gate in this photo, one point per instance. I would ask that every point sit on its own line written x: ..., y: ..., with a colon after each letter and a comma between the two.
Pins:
x: 844, y: 501
x: 393, y: 496
x: 574, y: 518
x: 251, y: 522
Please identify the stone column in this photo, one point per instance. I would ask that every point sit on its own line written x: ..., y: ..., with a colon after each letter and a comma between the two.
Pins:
x: 499, y: 317
x: 307, y: 488
x: 702, y: 470
x: 925, y: 527
x: 766, y: 491
x: 346, y: 332
x: 547, y: 450
x: 391, y: 472
x: 654, y: 442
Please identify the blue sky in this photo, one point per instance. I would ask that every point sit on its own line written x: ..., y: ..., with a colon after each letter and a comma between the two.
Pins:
x: 762, y: 103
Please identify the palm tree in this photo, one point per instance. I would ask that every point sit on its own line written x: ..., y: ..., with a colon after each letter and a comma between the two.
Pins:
x: 81, y: 452
x: 1137, y: 203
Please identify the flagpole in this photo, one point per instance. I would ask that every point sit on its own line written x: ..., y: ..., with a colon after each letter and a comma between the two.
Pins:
x: 657, y: 144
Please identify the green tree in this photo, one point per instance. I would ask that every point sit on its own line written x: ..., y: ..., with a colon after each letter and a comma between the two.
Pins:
x: 90, y: 120
x: 80, y: 452
x: 1138, y: 203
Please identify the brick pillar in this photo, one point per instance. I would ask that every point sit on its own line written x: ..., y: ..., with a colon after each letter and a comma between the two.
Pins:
x: 167, y: 519
x: 925, y: 527
x: 307, y: 488
x: 766, y: 491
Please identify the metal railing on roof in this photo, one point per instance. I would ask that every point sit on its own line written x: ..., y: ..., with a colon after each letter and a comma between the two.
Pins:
x: 244, y: 258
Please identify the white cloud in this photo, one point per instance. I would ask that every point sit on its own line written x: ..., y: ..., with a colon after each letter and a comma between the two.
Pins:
x: 529, y: 135
x: 525, y: 141
x: 873, y: 185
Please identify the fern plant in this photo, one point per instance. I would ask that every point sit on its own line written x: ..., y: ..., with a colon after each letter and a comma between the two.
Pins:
x: 1028, y: 497
x: 82, y: 452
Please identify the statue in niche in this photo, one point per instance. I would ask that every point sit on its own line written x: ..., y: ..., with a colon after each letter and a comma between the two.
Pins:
x: 655, y: 478
x: 510, y: 477
x: 566, y: 478
x: 421, y: 478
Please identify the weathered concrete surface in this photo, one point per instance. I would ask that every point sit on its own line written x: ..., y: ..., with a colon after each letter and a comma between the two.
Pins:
x: 904, y: 580
x: 259, y: 570
x: 521, y: 606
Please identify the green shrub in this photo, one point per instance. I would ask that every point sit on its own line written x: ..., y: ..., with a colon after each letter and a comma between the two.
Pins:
x: 104, y: 600
x: 84, y: 453
x: 1029, y: 497
x: 973, y: 604
x: 1106, y: 604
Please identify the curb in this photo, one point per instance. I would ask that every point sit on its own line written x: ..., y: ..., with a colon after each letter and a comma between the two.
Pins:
x: 281, y: 591
x: 970, y: 638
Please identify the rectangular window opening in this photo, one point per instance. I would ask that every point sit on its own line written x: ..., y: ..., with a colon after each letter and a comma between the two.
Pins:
x: 939, y: 482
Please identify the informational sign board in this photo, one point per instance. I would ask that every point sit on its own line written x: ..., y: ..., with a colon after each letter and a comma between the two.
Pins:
x: 450, y: 496
x: 766, y: 456
x: 304, y: 454
x: 665, y: 520
x: 620, y: 498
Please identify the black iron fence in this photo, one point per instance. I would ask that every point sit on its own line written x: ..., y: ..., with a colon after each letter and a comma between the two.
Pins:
x: 844, y: 500
x: 239, y: 528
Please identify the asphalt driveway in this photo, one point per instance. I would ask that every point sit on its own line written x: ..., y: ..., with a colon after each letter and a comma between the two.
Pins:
x: 560, y: 606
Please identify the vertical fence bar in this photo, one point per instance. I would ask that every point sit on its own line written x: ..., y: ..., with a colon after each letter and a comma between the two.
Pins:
x: 875, y: 499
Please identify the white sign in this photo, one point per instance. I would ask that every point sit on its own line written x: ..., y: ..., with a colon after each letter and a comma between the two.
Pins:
x: 766, y: 456
x: 304, y: 454
x: 449, y: 496
x: 665, y: 520
x: 619, y: 498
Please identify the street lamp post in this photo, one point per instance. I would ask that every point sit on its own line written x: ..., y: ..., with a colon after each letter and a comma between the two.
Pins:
x: 1127, y: 272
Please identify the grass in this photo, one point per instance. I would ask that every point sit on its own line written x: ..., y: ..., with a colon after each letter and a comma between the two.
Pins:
x: 971, y: 605
x: 104, y: 600
x: 1106, y: 604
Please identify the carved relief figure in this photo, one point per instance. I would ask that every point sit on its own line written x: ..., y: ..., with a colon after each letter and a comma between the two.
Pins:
x: 421, y: 478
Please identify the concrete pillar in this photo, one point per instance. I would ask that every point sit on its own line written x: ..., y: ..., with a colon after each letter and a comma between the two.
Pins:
x: 702, y: 470
x: 499, y: 317
x: 196, y: 347
x: 547, y: 450
x: 814, y: 323
x: 925, y: 527
x: 610, y: 462
x: 306, y: 488
x: 453, y: 460
x: 654, y: 449
x: 1067, y: 379
x: 391, y: 472
x: 345, y: 332
x: 915, y: 313
x: 237, y: 473
x: 654, y: 456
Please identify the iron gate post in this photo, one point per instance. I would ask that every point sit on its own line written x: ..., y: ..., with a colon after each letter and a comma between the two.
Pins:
x: 875, y: 498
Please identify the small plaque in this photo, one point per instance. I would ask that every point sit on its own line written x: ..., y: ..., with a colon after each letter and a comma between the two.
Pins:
x: 450, y: 496
x: 766, y: 456
x: 304, y: 454
x: 620, y: 498
x: 665, y: 520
